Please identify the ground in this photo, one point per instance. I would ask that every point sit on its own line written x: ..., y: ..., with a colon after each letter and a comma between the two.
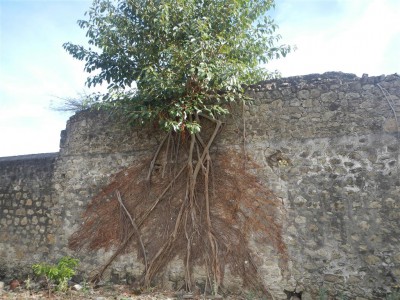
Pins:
x: 114, y: 292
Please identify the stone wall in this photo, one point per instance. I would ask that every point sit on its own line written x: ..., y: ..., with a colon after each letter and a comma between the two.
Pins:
x: 327, y: 145
x: 26, y: 209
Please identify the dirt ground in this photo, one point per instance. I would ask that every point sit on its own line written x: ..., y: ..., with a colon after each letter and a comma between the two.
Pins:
x: 114, y: 292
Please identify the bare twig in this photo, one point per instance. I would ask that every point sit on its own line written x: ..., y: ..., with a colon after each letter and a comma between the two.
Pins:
x: 154, y: 266
x: 206, y: 149
x: 211, y: 237
x: 209, y: 118
x: 244, y: 136
x: 153, y: 161
x: 391, y: 104
x: 147, y: 213
x: 165, y: 162
x: 188, y: 278
x: 97, y: 276
x: 136, y: 229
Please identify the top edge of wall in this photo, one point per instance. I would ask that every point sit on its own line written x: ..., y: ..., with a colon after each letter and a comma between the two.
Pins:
x: 316, y: 78
x: 29, y: 157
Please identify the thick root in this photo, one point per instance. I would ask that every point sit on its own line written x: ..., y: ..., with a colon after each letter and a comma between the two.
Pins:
x: 187, y: 203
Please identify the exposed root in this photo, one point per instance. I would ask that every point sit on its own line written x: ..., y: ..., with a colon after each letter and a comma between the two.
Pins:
x: 205, y: 217
x: 135, y: 228
x: 153, y: 161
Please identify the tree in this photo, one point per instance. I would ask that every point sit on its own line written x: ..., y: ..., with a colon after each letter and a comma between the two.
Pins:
x: 177, y: 64
x: 185, y: 57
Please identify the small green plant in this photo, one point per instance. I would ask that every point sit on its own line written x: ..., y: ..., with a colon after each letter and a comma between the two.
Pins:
x: 58, y: 274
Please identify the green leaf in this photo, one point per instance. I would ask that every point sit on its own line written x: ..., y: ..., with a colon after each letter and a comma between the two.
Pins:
x: 182, y: 57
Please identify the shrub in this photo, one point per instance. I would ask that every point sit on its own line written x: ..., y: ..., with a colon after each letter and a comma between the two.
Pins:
x: 58, y: 274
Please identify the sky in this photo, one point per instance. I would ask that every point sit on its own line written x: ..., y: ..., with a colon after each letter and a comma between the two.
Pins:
x: 36, y: 73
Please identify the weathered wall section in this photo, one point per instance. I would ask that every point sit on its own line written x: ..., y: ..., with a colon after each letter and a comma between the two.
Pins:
x: 93, y: 148
x: 26, y: 211
x: 327, y: 145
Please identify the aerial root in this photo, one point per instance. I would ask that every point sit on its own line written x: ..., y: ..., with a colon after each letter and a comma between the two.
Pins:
x: 193, y: 208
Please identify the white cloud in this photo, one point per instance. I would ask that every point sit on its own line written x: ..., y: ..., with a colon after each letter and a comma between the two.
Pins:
x: 36, y: 138
x: 357, y: 40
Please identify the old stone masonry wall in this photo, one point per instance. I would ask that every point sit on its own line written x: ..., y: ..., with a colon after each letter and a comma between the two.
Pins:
x: 327, y: 145
x: 26, y: 211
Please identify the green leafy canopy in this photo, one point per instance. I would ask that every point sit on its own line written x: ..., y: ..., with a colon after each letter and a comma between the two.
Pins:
x: 167, y: 61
